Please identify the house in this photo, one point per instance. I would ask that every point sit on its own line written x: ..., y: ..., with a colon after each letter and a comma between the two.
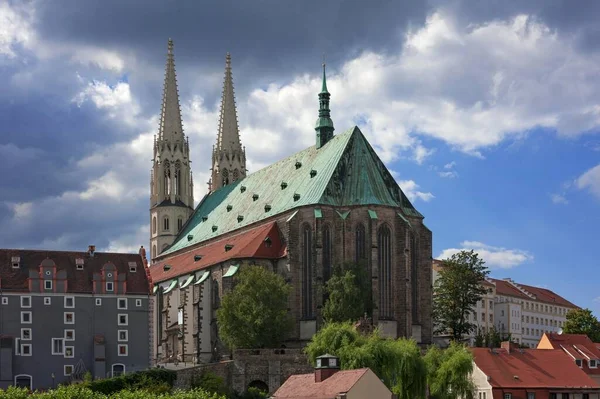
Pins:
x: 513, y: 373
x: 581, y: 350
x: 328, y: 382
x: 63, y: 314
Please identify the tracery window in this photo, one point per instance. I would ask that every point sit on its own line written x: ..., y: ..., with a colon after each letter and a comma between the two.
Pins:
x: 384, y: 258
x: 236, y: 175
x: 167, y: 178
x: 326, y: 253
x: 166, y: 223
x: 225, y: 174
x: 307, y: 295
x: 177, y: 178
x: 414, y: 278
x: 179, y: 223
x: 359, y: 251
x: 154, y: 224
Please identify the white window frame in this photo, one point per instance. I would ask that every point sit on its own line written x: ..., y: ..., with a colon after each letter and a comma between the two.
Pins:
x: 26, y: 346
x: 55, y: 353
x: 79, y: 262
x: 98, y: 301
x: 119, y: 303
x: 112, y: 369
x: 5, y: 300
x: 72, y: 348
x: 72, y: 331
x: 112, y: 286
x: 47, y: 300
x: 65, y: 370
x: 30, y: 317
x: 65, y: 302
x: 17, y: 346
x: 595, y: 363
x: 132, y: 267
x: 119, y: 319
x: 65, y: 318
x: 26, y: 297
x: 138, y: 303
x: 24, y: 375
x: 119, y: 335
x: 119, y: 346
x: 46, y: 285
x: 23, y: 334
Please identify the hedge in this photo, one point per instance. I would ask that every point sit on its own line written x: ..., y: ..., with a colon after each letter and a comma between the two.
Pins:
x: 82, y: 392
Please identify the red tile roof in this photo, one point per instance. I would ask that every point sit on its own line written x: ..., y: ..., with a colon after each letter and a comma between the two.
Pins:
x: 246, y: 244
x: 531, y: 368
x: 579, y: 346
x: 304, y: 386
x: 504, y: 287
x: 78, y: 281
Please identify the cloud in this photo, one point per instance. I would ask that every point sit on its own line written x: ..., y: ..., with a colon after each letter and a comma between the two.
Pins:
x: 15, y: 28
x: 590, y: 180
x: 559, y: 199
x: 411, y: 189
x: 494, y: 257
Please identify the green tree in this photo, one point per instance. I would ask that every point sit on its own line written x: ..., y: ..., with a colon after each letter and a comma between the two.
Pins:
x: 582, y: 321
x: 349, y: 293
x: 254, y: 314
x: 449, y: 372
x: 457, y: 291
x: 397, y: 362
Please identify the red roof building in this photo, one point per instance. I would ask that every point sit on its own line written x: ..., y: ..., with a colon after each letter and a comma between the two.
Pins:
x: 581, y: 350
x: 513, y: 373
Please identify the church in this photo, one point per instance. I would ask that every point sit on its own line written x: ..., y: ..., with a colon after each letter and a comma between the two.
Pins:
x: 330, y: 203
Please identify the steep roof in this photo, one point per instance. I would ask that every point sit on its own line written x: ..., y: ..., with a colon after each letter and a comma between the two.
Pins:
x: 304, y: 385
x: 578, y: 346
x: 247, y: 244
x: 504, y: 287
x: 344, y: 172
x: 78, y: 281
x: 531, y: 368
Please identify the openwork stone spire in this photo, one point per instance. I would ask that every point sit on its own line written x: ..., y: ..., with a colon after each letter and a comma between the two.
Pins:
x: 324, y: 125
x: 171, y: 127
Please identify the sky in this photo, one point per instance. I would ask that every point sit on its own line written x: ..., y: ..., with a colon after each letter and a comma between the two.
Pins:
x: 486, y: 112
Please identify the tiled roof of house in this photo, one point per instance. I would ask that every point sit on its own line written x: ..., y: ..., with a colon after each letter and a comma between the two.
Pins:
x: 304, y: 386
x: 344, y: 172
x: 504, y: 287
x: 78, y: 281
x: 262, y: 242
x: 531, y: 368
x: 578, y: 346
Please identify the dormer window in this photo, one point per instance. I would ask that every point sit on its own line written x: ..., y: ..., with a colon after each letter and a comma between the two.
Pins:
x: 242, y: 189
x: 16, y: 262
x: 283, y: 185
x: 254, y: 197
x: 313, y: 173
x: 197, y: 258
x: 132, y: 267
x: 298, y: 164
x: 228, y: 247
x: 214, y: 228
x: 296, y: 197
x: 109, y: 286
x: 79, y: 263
x: 204, y: 218
x: 240, y: 218
x: 48, y: 284
x: 579, y: 363
x: 267, y: 208
x: 593, y: 363
x: 190, y: 237
x: 268, y: 242
x: 229, y: 208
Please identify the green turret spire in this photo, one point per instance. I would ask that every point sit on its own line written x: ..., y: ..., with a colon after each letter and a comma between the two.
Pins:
x: 324, y: 126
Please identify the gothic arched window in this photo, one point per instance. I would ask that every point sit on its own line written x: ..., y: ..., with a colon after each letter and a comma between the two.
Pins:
x: 326, y: 253
x: 384, y: 259
x: 236, y: 175
x: 414, y: 277
x: 307, y: 294
x: 359, y: 242
x: 225, y: 174
x: 166, y: 223
x: 153, y: 251
x: 179, y: 223
x: 167, y: 179
x: 177, y: 178
x: 154, y: 225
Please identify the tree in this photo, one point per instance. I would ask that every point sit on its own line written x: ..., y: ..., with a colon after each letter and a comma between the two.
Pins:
x: 255, y: 313
x: 349, y: 293
x: 457, y: 291
x: 398, y: 363
x: 449, y: 372
x: 582, y: 321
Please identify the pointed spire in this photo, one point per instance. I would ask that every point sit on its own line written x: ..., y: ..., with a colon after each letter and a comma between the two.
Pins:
x: 324, y: 126
x: 171, y: 127
x: 228, y: 137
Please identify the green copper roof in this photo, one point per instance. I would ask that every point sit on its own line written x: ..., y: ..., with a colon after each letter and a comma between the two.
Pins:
x: 348, y: 172
x: 324, y: 86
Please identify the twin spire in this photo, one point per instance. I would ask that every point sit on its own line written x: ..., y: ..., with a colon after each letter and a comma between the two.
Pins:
x: 171, y: 127
x: 228, y: 136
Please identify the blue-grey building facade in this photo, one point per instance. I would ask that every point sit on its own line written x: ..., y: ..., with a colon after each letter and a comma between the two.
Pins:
x: 64, y: 314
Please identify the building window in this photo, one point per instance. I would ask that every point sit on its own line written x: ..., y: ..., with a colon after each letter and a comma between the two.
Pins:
x: 508, y: 396
x: 138, y: 302
x: 166, y: 223
x: 25, y: 301
x: 118, y: 369
x: 69, y: 318
x: 25, y: 334
x: 180, y: 317
x: 154, y: 225
x: 593, y: 363
x: 26, y: 350
x: 414, y: 280
x: 109, y: 286
x: 58, y: 346
x: 69, y: 335
x: 122, y: 303
x: 69, y: 351
x: 122, y: 336
x: 579, y: 363
x: 530, y: 395
x: 360, y: 252
x: 307, y: 311
x: 123, y: 319
x: 48, y: 284
x: 153, y: 251
x: 68, y: 370
x: 384, y: 258
x: 122, y: 350
x: 326, y: 253
x: 69, y: 302
x: 47, y: 300
x: 5, y: 300
x: 26, y: 317
x: 179, y: 224
x: 98, y: 302
x: 132, y: 267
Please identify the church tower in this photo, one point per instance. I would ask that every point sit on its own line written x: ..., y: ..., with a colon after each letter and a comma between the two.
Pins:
x: 171, y: 184
x: 229, y: 157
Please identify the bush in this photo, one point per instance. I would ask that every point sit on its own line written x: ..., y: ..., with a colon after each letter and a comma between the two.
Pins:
x: 152, y: 381
x: 79, y: 391
x: 210, y: 382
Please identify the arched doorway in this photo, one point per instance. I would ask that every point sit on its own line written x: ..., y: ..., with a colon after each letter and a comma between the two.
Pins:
x: 118, y: 369
x: 260, y: 385
x: 23, y: 381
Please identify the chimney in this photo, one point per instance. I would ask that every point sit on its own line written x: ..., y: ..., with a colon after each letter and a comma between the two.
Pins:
x: 91, y: 250
x: 327, y: 365
x: 142, y: 252
x: 509, y: 346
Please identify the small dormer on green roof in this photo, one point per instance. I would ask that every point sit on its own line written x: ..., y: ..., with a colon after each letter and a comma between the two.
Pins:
x: 324, y: 126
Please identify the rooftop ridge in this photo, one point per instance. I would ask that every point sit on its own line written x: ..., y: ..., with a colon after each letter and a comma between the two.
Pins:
x: 520, y: 288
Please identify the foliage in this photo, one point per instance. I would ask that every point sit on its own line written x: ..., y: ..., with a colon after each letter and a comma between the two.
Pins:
x: 457, y: 291
x: 349, y: 293
x: 255, y: 313
x: 152, y: 380
x: 251, y: 393
x: 210, y: 382
x: 491, y: 339
x: 449, y: 372
x: 80, y: 391
x: 397, y: 362
x: 582, y: 321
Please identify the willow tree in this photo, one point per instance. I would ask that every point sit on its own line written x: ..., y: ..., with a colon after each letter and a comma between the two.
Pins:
x: 449, y: 372
x: 397, y: 362
x: 348, y: 293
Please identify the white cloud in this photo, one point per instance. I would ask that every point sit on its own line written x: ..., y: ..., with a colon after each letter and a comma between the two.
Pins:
x: 450, y: 165
x: 559, y: 199
x: 21, y: 210
x: 15, y: 28
x: 411, y: 189
x: 494, y: 257
x: 590, y: 180
x: 130, y: 241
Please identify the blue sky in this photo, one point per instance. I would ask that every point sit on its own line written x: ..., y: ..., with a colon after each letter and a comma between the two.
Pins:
x: 487, y: 113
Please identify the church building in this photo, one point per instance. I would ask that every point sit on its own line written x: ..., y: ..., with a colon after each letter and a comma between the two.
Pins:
x: 330, y: 203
